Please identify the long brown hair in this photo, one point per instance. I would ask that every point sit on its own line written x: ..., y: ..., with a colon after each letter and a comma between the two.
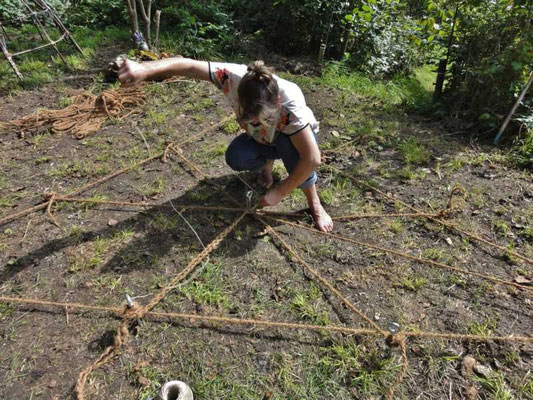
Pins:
x: 258, y: 93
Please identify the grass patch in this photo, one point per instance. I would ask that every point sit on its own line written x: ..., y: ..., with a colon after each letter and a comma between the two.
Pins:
x: 218, y: 150
x: 413, y: 152
x: 206, y: 289
x: 45, y: 66
x: 412, y: 284
x: 153, y: 189
x: 307, y: 306
x: 365, y: 370
x: 231, y: 126
x: 484, y: 328
x: 496, y: 385
x: 413, y: 91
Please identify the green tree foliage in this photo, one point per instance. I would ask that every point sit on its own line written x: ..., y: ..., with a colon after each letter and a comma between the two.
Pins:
x: 201, y: 29
x: 490, y: 56
x: 96, y: 13
x: 15, y: 10
x: 382, y: 33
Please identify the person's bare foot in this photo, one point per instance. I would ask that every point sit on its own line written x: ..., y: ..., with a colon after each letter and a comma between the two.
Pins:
x: 265, y: 178
x: 323, y: 221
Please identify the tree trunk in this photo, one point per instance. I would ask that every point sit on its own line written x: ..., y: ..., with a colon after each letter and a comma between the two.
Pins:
x: 132, y: 11
x: 146, y: 13
x: 157, y: 22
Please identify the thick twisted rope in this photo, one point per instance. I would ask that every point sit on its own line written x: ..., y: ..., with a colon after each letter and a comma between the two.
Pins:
x: 87, y: 112
x: 265, y: 323
x: 404, y: 255
x: 138, y: 312
x: 438, y: 221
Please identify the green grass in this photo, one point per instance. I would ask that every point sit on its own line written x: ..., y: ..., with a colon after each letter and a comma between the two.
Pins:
x: 74, y: 168
x: 413, y: 283
x: 208, y: 289
x: 413, y: 152
x: 44, y: 66
x: 307, y: 305
x: 413, y: 91
x: 231, y: 126
x: 212, y: 152
x: 484, y: 328
x: 158, y: 186
x: 496, y: 385
x: 365, y: 370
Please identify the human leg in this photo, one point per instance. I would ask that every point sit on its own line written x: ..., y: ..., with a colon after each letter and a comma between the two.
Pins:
x: 323, y: 221
x: 245, y: 154
x: 291, y: 157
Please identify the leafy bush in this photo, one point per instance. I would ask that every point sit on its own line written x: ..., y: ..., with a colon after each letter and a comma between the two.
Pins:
x: 96, y: 13
x: 382, y: 38
x: 490, y: 58
x: 14, y: 9
x: 195, y: 31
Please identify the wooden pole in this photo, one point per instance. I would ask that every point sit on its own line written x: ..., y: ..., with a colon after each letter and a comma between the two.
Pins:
x: 511, y: 113
x: 146, y: 13
x: 132, y: 11
x: 157, y: 22
x: 443, y: 64
x: 58, y: 23
x: 43, y: 33
x: 7, y: 55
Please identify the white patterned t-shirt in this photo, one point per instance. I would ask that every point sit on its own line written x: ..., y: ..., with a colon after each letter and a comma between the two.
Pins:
x: 294, y: 113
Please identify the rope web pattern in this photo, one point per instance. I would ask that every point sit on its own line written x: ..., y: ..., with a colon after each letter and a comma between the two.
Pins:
x: 134, y: 311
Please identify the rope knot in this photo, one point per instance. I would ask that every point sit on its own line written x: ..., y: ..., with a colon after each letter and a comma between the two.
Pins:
x: 164, y: 157
x: 395, y: 340
x: 135, y: 311
x: 49, y: 195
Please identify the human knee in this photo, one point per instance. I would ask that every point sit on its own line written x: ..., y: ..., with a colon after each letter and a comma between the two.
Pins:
x: 235, y: 159
x: 309, y: 181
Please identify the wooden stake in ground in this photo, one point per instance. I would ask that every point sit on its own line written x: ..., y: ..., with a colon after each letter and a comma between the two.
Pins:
x: 513, y: 110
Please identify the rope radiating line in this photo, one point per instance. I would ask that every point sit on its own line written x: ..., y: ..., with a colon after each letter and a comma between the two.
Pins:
x: 90, y: 185
x: 22, y: 213
x: 431, y: 218
x: 350, y: 217
x: 138, y: 312
x: 322, y: 280
x: 393, y: 338
x: 403, y: 371
x: 90, y: 200
x: 404, y: 255
x: 266, y: 323
x: 179, y: 152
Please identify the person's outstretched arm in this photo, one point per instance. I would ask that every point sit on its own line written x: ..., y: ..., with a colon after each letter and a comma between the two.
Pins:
x: 131, y: 72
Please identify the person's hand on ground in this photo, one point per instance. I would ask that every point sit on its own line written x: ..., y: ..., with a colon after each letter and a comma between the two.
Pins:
x: 271, y: 198
x: 130, y: 73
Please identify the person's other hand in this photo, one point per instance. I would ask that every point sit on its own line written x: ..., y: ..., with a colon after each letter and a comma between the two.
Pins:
x: 130, y: 73
x: 271, y: 198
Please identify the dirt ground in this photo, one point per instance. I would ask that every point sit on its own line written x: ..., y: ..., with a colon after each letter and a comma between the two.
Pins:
x: 100, y: 253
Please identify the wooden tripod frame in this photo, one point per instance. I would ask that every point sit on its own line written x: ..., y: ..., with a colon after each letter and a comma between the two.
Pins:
x: 41, y: 8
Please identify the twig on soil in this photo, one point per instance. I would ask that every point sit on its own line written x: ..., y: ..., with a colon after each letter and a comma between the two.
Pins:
x: 145, y: 142
x: 25, y: 231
